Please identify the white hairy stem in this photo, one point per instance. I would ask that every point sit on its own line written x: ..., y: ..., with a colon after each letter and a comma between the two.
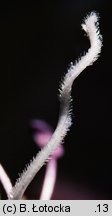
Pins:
x: 90, y: 26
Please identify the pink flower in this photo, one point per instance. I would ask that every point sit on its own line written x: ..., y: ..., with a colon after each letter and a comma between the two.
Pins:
x: 41, y: 136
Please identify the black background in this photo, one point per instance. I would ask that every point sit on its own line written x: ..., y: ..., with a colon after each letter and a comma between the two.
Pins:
x: 37, y: 43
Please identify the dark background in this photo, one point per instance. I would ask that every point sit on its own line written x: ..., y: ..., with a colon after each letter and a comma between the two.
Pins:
x: 37, y: 43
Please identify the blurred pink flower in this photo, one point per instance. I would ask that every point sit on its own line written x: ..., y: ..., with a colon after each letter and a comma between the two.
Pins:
x: 41, y: 136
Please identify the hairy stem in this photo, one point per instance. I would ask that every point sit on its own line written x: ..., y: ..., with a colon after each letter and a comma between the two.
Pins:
x: 90, y: 26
